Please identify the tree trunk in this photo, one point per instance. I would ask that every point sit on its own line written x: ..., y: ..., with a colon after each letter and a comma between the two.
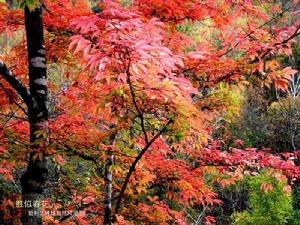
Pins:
x: 34, y: 179
x: 108, y: 177
x: 108, y: 190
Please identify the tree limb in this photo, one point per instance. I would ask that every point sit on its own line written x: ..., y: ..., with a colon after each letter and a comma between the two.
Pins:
x: 295, y: 34
x: 279, y: 15
x: 11, y: 98
x: 17, y: 85
x: 137, y: 159
x: 140, y: 114
x: 263, y: 55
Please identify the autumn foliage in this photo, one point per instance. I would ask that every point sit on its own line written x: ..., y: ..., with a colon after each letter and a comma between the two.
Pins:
x: 134, y: 81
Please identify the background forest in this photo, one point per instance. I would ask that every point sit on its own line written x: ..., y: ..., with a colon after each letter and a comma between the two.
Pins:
x: 150, y: 112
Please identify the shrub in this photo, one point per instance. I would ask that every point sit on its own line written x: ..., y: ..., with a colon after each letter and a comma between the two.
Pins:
x: 269, y: 202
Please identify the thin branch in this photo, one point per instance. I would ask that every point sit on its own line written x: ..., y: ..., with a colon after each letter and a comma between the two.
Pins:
x: 295, y: 34
x: 140, y: 114
x: 137, y: 159
x: 263, y: 55
x: 12, y: 115
x: 82, y: 155
x: 12, y: 99
x: 252, y: 32
x: 17, y: 85
x: 200, y: 217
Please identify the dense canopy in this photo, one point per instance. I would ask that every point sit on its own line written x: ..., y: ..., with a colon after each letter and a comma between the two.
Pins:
x: 149, y: 112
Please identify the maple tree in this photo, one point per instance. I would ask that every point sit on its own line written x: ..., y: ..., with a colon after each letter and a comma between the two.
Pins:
x: 129, y: 103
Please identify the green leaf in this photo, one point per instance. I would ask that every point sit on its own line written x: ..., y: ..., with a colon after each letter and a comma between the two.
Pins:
x: 40, y: 134
x: 31, y: 4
